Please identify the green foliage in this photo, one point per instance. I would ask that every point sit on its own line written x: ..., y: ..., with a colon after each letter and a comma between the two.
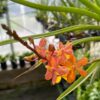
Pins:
x: 76, y: 10
x: 91, y: 92
x: 96, y: 74
x: 12, y: 57
x: 91, y: 6
x: 97, y: 2
x: 2, y: 6
x: 4, y: 58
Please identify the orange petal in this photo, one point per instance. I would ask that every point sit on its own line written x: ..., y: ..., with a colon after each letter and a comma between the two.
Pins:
x: 68, y: 48
x: 48, y: 55
x: 68, y: 64
x: 61, y: 45
x: 61, y: 70
x: 71, y: 76
x: 72, y: 59
x: 54, y: 78
x: 42, y: 42
x: 82, y: 62
x: 42, y: 52
x: 69, y: 45
x: 62, y: 59
x: 82, y: 72
x: 48, y: 75
x: 53, y: 62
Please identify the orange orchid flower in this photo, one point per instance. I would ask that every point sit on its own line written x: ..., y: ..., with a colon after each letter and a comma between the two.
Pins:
x: 54, y: 70
x: 74, y: 66
x: 63, y: 64
x: 60, y: 62
x: 67, y: 72
x: 67, y: 48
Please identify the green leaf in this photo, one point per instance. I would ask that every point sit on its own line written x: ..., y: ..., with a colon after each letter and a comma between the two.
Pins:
x: 70, y: 3
x: 60, y: 31
x: 1, y: 11
x: 37, y: 64
x: 64, y: 3
x: 98, y: 2
x: 81, y: 11
x: 84, y: 40
x: 91, y: 6
x: 78, y: 82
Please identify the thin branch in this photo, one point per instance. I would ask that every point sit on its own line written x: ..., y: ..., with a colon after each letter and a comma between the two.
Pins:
x: 16, y: 37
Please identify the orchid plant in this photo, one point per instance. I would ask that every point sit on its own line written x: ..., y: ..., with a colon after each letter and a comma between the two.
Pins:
x: 60, y: 62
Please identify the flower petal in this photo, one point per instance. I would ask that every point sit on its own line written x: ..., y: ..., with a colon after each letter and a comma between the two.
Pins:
x: 61, y: 70
x: 82, y: 62
x: 48, y: 75
x: 42, y: 42
x: 68, y: 48
x: 61, y: 45
x: 54, y: 78
x: 58, y: 79
x: 82, y: 72
x: 72, y: 59
x: 71, y: 76
x: 53, y: 61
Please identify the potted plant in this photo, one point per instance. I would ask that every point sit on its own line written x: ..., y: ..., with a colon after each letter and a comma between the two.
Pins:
x: 3, y: 60
x: 21, y: 61
x: 13, y: 61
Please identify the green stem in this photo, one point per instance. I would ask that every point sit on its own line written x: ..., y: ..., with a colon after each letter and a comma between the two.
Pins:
x: 67, y: 29
x: 59, y: 9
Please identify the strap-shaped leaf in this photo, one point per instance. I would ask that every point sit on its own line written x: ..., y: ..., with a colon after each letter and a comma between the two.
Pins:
x: 81, y: 11
x: 84, y: 40
x: 67, y: 29
x: 91, y: 6
x: 79, y: 81
x: 37, y: 64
